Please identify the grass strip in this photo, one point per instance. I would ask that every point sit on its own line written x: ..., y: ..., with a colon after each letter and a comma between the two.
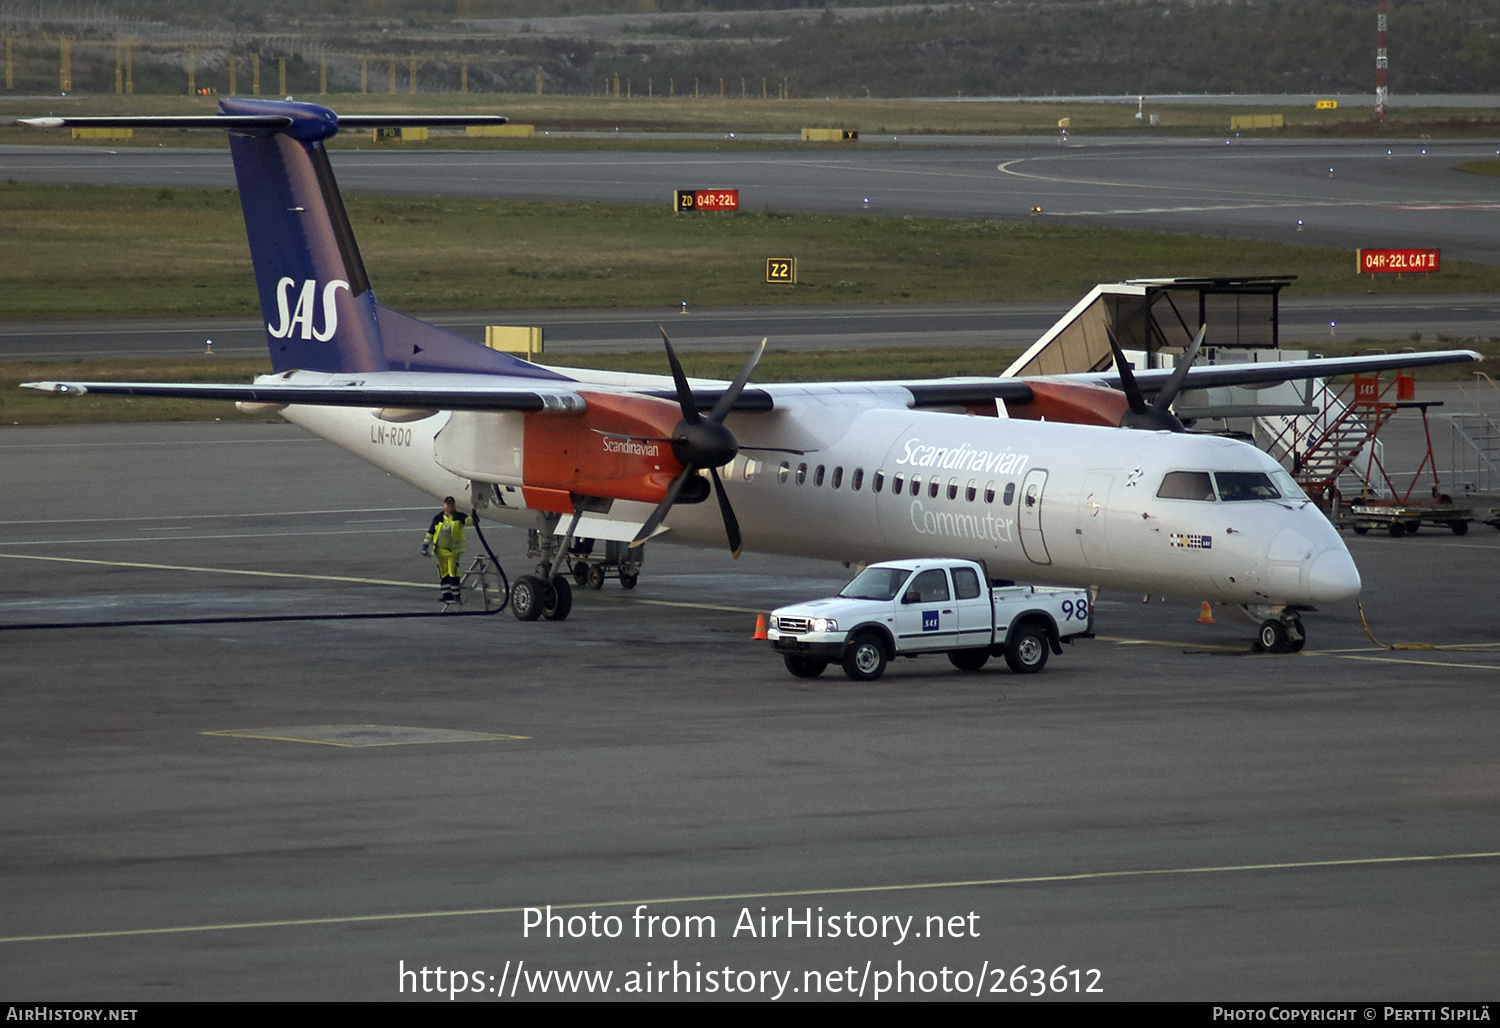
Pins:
x: 752, y: 114
x: 104, y: 251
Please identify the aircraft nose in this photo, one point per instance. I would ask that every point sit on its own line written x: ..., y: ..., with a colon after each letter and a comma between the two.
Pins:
x: 1333, y: 576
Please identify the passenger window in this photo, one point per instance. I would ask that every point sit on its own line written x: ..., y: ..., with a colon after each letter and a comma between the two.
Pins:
x: 897, y: 482
x: 859, y: 479
x: 1010, y: 494
x: 838, y: 477
x: 877, y: 482
x: 928, y: 587
x: 818, y: 476
x: 752, y: 467
x: 1186, y: 485
x: 801, y: 473
x: 952, y: 488
x: 989, y: 492
x: 972, y: 490
x: 916, y: 485
x: 782, y: 472
x: 965, y: 583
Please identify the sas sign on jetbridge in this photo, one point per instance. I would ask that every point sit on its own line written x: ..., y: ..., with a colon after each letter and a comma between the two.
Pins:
x: 1375, y: 262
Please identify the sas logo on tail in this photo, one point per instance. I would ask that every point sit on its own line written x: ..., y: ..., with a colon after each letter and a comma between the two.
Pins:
x: 303, y: 313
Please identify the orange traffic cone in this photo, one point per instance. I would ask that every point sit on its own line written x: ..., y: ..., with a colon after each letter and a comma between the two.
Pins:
x: 760, y: 625
x: 1206, y: 614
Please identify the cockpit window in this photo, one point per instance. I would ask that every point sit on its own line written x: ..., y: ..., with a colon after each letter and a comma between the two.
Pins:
x: 1186, y: 485
x: 1246, y: 485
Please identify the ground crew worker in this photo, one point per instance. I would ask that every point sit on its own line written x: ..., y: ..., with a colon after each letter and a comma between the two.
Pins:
x: 445, y: 541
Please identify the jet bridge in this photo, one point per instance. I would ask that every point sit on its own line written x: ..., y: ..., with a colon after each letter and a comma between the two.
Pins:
x: 1158, y: 318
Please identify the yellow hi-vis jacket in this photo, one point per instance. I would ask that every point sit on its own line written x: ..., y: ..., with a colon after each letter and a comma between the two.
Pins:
x: 447, y: 532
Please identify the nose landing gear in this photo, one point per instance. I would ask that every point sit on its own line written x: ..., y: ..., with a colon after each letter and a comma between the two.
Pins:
x: 1281, y: 635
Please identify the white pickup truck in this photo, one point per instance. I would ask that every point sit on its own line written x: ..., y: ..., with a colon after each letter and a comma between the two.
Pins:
x: 901, y: 608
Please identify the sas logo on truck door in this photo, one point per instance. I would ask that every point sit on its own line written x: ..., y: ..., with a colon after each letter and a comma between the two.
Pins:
x: 930, y: 620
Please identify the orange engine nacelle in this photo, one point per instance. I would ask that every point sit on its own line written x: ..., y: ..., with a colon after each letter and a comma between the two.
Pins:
x: 1072, y: 404
x: 567, y: 455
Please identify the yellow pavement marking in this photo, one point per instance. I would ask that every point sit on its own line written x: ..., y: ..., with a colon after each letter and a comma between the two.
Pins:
x: 217, y: 571
x: 1429, y: 663
x: 363, y: 736
x: 1084, y: 876
x: 345, y: 578
x: 1123, y: 641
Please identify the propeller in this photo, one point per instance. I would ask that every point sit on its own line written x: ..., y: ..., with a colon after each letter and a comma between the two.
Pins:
x: 698, y: 443
x: 1156, y: 416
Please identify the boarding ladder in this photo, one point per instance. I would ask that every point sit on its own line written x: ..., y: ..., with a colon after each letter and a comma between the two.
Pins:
x: 1339, y: 439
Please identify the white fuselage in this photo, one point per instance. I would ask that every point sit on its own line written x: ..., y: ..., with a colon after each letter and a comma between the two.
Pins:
x: 1035, y: 501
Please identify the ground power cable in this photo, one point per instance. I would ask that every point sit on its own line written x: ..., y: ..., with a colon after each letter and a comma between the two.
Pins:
x: 1415, y: 646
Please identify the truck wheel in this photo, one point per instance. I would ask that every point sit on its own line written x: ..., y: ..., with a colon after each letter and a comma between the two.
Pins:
x: 525, y: 598
x: 581, y: 572
x: 1360, y: 528
x: 804, y: 667
x: 1459, y: 527
x: 628, y: 579
x: 1028, y: 649
x: 558, y: 601
x: 968, y: 660
x: 1397, y: 529
x: 1412, y: 527
x: 864, y: 660
x: 596, y: 576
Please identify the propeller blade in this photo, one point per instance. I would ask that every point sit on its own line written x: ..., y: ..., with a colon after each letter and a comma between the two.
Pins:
x: 721, y: 409
x: 1127, y: 376
x: 684, y: 393
x: 1179, y: 374
x: 661, y: 508
x: 731, y: 523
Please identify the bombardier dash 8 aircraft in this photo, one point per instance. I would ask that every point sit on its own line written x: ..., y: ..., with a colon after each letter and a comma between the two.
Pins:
x: 1070, y: 479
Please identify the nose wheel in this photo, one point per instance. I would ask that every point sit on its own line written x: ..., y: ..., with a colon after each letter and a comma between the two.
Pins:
x: 1282, y: 636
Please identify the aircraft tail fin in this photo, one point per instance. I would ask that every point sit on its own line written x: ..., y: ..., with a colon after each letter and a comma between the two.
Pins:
x: 314, y: 292
x: 320, y: 312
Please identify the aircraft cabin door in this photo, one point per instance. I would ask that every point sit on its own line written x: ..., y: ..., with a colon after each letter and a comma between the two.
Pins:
x: 1030, y: 508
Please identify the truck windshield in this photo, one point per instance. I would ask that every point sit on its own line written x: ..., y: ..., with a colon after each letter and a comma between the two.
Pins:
x: 875, y: 584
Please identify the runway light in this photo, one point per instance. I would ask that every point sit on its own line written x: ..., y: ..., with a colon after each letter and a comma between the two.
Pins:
x: 1299, y: 224
x: 867, y: 201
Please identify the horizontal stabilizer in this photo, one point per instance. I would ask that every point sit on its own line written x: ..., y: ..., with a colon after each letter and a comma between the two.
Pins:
x: 561, y: 401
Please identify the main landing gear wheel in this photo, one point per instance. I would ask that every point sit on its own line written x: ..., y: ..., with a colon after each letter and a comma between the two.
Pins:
x: 804, y: 667
x: 864, y: 660
x: 1028, y: 650
x: 526, y: 598
x: 558, y: 601
x: 968, y: 660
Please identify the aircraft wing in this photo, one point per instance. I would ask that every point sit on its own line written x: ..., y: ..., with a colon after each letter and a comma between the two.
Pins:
x: 1274, y: 372
x: 958, y: 391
